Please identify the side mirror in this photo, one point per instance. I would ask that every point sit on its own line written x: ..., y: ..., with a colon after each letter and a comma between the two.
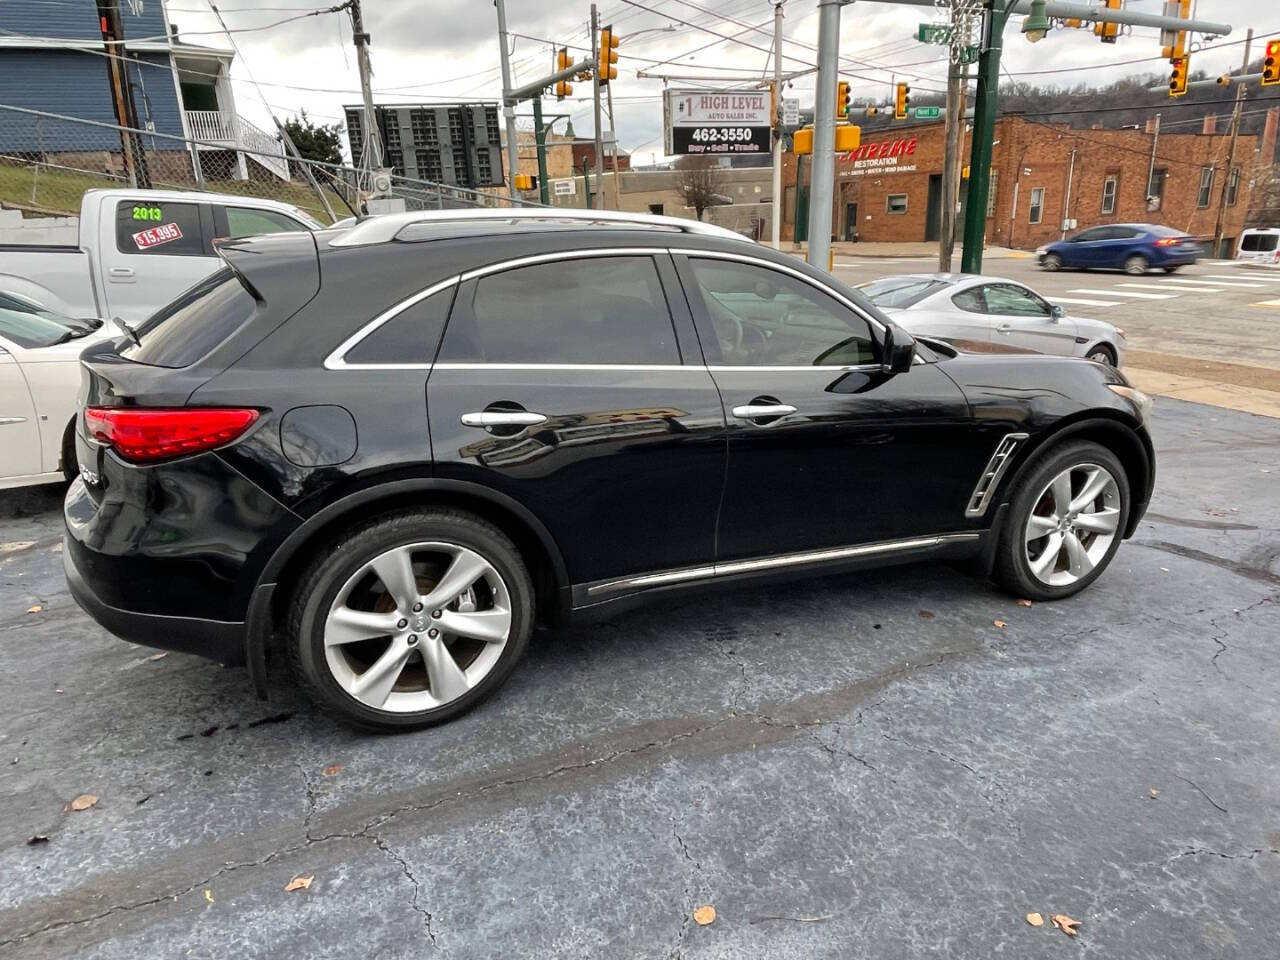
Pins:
x: 899, y: 351
x: 1058, y: 311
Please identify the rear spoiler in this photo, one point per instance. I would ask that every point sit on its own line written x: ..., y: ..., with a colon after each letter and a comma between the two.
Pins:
x: 275, y: 268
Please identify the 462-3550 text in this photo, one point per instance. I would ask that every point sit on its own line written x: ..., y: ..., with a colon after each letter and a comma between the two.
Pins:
x: 721, y: 134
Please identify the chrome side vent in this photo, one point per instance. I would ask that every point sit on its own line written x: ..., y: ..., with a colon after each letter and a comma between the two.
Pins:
x: 980, y: 499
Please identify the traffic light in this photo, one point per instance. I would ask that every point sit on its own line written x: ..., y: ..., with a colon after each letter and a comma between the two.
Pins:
x: 873, y: 111
x: 525, y: 181
x: 1271, y: 63
x: 848, y: 137
x: 1175, y: 41
x: 1108, y: 32
x: 842, y: 100
x: 605, y: 69
x: 900, y: 101
x: 802, y: 141
x: 1180, y: 66
x: 563, y: 61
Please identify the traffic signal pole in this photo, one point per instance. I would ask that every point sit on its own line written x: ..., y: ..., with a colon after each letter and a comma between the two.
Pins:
x: 776, y: 121
x: 823, y: 170
x: 540, y: 139
x: 985, y: 103
x: 595, y: 96
x: 1220, y: 223
x: 508, y: 101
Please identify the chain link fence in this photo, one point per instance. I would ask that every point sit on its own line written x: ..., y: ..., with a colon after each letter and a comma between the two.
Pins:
x: 49, y: 160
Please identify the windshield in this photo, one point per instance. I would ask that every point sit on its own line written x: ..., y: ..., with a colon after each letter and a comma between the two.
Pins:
x: 28, y: 328
x: 900, y: 291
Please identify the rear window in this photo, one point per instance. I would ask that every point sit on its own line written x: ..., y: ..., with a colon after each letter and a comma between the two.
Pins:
x: 1160, y: 230
x: 1259, y: 242
x: 191, y: 326
x: 900, y: 291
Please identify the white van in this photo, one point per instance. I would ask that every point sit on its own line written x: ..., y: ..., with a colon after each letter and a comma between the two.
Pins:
x: 1260, y: 245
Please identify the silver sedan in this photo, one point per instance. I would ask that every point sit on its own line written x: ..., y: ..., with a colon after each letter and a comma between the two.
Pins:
x: 976, y: 311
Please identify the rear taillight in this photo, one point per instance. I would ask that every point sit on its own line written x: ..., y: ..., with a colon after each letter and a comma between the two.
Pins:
x: 1168, y: 241
x: 143, y: 435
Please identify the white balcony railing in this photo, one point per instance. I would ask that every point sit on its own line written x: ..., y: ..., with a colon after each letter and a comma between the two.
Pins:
x: 231, y: 130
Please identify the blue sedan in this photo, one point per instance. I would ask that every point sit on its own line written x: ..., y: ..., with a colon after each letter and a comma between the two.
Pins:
x: 1132, y: 247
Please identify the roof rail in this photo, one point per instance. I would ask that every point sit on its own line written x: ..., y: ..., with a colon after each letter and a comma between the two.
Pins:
x: 386, y: 227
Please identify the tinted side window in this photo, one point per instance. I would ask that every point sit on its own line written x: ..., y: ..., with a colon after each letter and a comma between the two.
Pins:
x: 970, y: 300
x: 191, y: 326
x: 593, y: 310
x: 1097, y: 233
x: 1011, y: 301
x: 410, y: 336
x: 159, y: 229
x: 764, y: 317
x: 247, y: 222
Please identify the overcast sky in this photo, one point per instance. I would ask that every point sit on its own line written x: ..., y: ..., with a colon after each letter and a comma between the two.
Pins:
x: 437, y: 50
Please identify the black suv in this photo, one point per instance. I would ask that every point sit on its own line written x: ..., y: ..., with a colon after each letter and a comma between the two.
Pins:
x: 390, y: 450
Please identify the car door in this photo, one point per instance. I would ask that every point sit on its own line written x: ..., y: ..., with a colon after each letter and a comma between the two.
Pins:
x: 19, y: 427
x: 151, y: 251
x: 573, y: 386
x: 1023, y: 319
x: 826, y: 449
x: 1084, y: 249
x: 972, y: 329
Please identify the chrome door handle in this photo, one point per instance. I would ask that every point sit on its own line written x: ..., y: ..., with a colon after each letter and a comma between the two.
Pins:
x: 757, y: 411
x: 120, y: 274
x: 1006, y: 329
x: 502, y: 418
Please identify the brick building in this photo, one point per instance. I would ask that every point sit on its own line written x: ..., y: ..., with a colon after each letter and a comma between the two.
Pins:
x: 1041, y: 175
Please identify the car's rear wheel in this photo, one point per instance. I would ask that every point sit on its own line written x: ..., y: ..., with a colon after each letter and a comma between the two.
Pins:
x: 1136, y: 264
x: 1051, y: 262
x: 411, y: 619
x: 1102, y: 354
x: 70, y: 465
x: 1065, y: 522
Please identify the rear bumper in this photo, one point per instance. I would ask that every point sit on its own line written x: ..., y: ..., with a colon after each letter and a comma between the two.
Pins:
x: 1169, y: 256
x: 216, y: 639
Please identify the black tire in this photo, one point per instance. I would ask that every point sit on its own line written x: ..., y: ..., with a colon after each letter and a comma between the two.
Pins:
x: 1051, y: 262
x: 1170, y: 269
x: 319, y: 584
x: 1012, y: 570
x: 1136, y: 264
x: 70, y: 466
x: 1103, y: 354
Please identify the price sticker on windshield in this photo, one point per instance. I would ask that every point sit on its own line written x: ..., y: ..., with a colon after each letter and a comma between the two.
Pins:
x: 165, y: 233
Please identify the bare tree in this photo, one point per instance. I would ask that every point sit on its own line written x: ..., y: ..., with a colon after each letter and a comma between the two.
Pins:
x: 700, y: 182
x: 1264, y: 198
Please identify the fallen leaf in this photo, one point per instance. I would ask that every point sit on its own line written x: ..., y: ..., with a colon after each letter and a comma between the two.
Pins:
x: 36, y: 609
x: 704, y: 915
x: 1000, y: 623
x: 208, y: 895
x: 300, y: 883
x: 1154, y: 793
x: 1065, y: 924
x: 1024, y: 603
x: 38, y: 839
x: 84, y: 802
x: 1035, y: 919
x: 332, y: 769
x: 158, y: 656
x: 926, y: 615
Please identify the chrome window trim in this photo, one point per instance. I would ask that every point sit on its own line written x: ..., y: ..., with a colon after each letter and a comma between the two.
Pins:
x: 826, y: 555
x: 781, y: 268
x: 335, y: 360
x: 992, y: 473
x: 570, y: 366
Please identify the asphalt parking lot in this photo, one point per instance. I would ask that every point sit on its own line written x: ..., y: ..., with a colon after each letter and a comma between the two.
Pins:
x: 867, y: 766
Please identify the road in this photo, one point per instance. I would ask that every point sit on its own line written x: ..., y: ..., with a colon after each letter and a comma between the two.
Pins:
x: 1214, y: 321
x: 882, y: 765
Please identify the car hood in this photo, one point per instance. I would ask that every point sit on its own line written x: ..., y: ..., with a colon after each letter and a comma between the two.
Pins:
x: 1093, y: 329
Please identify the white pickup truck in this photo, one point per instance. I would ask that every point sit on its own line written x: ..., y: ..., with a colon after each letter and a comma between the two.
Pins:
x: 138, y: 250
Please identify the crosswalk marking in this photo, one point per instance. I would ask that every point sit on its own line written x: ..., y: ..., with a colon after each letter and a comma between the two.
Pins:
x: 1161, y: 286
x: 1085, y: 303
x: 1237, y: 279
x: 1206, y: 283
x: 1109, y: 292
x: 1266, y: 303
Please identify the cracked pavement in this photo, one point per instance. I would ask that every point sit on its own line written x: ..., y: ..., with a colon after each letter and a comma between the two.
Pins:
x: 838, y: 774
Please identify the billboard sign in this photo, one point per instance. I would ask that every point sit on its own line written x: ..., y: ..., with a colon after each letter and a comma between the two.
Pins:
x: 716, y: 121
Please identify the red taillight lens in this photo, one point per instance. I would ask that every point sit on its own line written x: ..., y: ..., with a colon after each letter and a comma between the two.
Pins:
x: 145, y: 434
x: 1168, y: 241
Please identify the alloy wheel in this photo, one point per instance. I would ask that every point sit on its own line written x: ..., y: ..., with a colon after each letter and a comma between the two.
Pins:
x: 1102, y: 357
x: 1071, y: 527
x: 417, y: 627
x: 1136, y: 265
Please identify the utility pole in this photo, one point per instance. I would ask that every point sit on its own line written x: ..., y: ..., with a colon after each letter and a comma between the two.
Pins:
x: 1151, y: 164
x: 135, y: 158
x: 508, y: 104
x: 823, y: 175
x: 613, y: 129
x: 595, y: 96
x: 371, y: 156
x: 776, y: 217
x: 1219, y: 226
x: 540, y: 141
x: 951, y: 148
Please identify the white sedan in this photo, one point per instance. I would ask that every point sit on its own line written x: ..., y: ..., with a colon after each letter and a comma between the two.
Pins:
x: 39, y: 379
x: 973, y: 311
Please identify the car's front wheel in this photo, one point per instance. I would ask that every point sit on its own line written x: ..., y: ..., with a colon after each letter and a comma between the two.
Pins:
x: 1051, y: 262
x: 1136, y: 264
x: 411, y: 619
x: 1102, y: 354
x: 1065, y: 522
